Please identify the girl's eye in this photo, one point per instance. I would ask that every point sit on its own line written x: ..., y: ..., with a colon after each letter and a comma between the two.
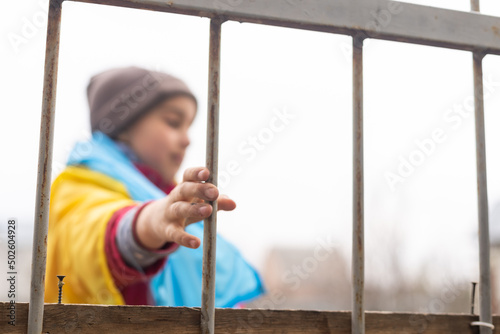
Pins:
x: 173, y: 124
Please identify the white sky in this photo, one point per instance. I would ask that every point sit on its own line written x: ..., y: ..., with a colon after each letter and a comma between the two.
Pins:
x: 298, y: 187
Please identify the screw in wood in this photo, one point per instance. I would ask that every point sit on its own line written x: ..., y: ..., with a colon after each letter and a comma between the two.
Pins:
x: 473, y: 297
x: 60, y: 285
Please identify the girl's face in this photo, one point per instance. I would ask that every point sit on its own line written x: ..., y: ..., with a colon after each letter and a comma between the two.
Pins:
x: 160, y: 137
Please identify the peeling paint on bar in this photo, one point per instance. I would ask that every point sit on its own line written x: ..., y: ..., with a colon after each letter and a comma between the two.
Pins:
x: 39, y: 255
x: 212, y: 161
x: 358, y: 238
x: 482, y: 189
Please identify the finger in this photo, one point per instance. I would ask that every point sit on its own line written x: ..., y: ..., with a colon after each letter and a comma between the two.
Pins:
x: 186, y: 191
x: 196, y: 174
x: 182, y: 210
x: 197, y: 200
x: 177, y: 234
x: 190, y: 221
x: 225, y: 203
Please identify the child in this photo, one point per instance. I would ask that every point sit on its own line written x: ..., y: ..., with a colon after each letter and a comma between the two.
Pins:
x: 117, y: 212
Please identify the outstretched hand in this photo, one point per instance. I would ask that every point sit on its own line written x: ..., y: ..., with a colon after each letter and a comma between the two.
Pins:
x: 164, y: 220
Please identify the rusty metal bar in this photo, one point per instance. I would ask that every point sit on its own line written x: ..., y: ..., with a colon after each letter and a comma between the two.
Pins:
x: 381, y: 19
x: 358, y: 256
x: 41, y: 221
x: 484, y: 236
x: 212, y: 161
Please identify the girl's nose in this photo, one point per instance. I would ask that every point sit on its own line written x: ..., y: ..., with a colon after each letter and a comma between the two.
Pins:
x: 185, y: 140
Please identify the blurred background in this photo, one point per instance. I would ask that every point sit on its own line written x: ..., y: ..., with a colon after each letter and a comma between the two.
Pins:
x: 292, y: 183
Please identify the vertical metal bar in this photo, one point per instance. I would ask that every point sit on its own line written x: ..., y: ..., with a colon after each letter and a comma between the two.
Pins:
x: 39, y: 255
x: 484, y: 238
x: 358, y: 260
x: 212, y: 161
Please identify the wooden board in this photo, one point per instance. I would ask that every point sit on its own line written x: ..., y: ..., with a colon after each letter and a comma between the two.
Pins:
x: 82, y: 319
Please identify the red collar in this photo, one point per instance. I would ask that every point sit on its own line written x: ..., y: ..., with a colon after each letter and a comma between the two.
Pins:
x: 155, y: 177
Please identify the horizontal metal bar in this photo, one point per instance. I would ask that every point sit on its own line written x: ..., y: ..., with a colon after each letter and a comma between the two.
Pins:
x: 381, y: 19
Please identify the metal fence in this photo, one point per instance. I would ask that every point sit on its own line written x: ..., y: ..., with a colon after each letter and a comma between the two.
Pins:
x: 361, y: 19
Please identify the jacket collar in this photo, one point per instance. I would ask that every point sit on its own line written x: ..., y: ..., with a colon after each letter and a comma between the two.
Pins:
x: 154, y: 177
x: 147, y: 171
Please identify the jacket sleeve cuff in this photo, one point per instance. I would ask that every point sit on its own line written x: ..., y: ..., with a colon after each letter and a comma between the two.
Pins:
x: 133, y: 252
x: 123, y: 273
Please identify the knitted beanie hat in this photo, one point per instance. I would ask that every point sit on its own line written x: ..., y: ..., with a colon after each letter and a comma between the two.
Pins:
x: 118, y: 97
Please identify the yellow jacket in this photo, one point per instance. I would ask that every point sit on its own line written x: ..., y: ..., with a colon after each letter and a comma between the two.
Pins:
x: 82, y: 202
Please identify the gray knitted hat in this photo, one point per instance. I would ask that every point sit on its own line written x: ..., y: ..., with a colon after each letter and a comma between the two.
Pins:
x: 118, y: 97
